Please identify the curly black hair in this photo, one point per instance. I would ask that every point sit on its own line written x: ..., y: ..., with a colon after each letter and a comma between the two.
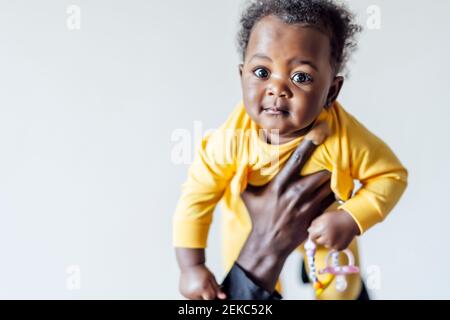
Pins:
x: 334, y: 19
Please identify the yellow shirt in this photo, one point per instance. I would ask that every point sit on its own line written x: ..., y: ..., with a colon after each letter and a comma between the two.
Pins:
x: 235, y: 155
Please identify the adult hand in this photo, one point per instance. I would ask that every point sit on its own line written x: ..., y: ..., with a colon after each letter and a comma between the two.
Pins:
x: 281, y: 212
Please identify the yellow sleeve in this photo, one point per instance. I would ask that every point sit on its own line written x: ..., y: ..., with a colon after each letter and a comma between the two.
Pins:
x: 207, y: 179
x: 383, y: 178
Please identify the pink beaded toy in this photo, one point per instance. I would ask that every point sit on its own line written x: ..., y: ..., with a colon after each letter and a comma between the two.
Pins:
x: 333, y: 270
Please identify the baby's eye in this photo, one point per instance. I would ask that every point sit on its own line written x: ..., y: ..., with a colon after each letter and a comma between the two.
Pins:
x: 301, y: 77
x: 261, y: 73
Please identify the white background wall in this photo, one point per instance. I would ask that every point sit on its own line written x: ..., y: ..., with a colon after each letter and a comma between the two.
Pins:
x: 87, y: 116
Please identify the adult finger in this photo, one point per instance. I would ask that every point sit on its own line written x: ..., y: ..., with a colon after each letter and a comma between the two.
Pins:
x: 315, y: 137
x: 306, y: 186
x: 325, y: 203
x: 295, y: 163
x: 321, y: 200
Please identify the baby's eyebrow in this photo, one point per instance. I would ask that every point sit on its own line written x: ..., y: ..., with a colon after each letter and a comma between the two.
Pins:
x: 301, y: 61
x: 292, y: 61
x: 260, y: 56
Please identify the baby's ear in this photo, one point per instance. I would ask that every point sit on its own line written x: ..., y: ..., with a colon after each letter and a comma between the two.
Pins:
x: 318, y: 133
x: 241, y: 68
x: 334, y: 90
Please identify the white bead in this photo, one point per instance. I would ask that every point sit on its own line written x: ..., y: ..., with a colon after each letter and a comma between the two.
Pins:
x: 309, y: 245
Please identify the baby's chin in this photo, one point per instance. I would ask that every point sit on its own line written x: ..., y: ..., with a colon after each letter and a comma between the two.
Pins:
x: 284, y: 128
x: 278, y: 123
x: 274, y: 129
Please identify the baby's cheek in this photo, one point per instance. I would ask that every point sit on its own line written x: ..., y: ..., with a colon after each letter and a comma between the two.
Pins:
x: 311, y: 113
x: 252, y: 93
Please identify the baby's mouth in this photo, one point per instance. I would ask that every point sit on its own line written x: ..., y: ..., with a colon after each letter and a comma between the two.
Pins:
x: 275, y: 111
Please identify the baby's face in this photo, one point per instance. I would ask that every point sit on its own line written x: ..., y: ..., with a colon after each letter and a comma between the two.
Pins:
x: 286, y: 76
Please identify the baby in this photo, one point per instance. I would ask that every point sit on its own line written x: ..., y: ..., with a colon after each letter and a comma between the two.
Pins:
x: 293, y: 52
